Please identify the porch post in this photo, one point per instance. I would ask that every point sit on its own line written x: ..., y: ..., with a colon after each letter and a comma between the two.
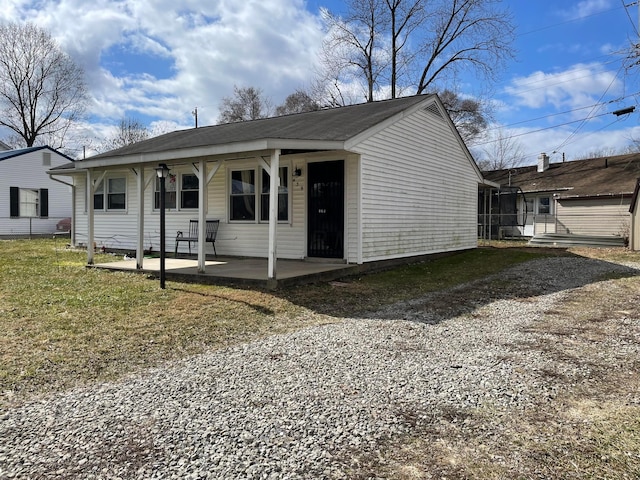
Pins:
x: 274, y: 184
x: 202, y: 215
x: 90, y: 192
x: 140, y: 247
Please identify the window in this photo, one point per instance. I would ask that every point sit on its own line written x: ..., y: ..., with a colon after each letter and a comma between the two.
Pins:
x: 116, y: 193
x: 115, y: 197
x: 28, y: 202
x: 169, y: 192
x: 189, y: 191
x: 544, y: 205
x: 243, y: 195
x: 98, y: 197
x: 283, y: 195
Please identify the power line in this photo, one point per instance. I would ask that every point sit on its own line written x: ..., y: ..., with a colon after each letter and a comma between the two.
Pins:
x: 588, y: 117
x: 571, y: 21
x: 545, y: 128
x: 565, y: 112
x: 532, y: 82
x: 628, y: 14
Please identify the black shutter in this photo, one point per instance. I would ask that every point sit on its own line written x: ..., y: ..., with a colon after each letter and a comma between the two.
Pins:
x: 14, y: 202
x: 44, y: 202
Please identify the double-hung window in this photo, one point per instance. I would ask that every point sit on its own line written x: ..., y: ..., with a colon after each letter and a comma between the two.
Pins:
x: 169, y: 192
x: 244, y: 199
x: 243, y: 195
x: 111, y: 194
x: 184, y: 188
x: 283, y: 195
x: 189, y: 187
x: 116, y: 193
x: 544, y: 205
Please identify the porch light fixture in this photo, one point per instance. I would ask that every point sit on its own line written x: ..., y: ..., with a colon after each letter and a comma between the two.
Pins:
x: 163, y: 172
x: 297, y: 172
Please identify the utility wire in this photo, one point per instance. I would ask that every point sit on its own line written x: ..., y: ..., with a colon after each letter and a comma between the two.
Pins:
x: 570, y: 21
x: 565, y: 112
x: 545, y: 128
x: 626, y: 9
x: 584, y: 121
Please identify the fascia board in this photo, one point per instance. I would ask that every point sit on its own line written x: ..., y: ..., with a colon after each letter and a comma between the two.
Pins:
x: 253, y: 147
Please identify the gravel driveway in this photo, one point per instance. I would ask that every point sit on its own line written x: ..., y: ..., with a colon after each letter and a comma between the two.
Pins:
x: 307, y: 404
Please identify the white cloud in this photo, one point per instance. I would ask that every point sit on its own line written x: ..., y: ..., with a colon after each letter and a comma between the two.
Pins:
x: 200, y: 50
x: 586, y: 8
x: 579, y: 86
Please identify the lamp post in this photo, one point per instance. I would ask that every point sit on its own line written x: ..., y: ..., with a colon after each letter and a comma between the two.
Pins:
x: 162, y: 170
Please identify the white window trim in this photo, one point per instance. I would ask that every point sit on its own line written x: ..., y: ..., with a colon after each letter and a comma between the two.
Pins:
x: 256, y: 193
x: 178, y: 191
x: 258, y: 169
x: 289, y: 182
x: 105, y: 199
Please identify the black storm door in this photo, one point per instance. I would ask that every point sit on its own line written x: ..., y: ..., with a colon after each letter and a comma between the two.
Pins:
x: 326, y: 209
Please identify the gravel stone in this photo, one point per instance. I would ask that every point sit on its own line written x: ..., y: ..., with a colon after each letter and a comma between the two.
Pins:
x: 306, y: 404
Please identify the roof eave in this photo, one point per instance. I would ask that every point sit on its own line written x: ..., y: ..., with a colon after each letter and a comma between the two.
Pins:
x: 250, y: 147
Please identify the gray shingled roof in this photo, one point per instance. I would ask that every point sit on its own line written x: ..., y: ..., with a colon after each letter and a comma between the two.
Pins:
x: 578, y: 178
x: 335, y: 124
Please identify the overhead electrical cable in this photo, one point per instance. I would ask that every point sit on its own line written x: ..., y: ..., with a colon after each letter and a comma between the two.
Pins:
x: 584, y: 121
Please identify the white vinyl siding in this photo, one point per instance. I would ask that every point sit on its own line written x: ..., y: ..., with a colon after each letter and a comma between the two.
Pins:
x: 419, y: 190
x: 602, y: 216
x: 118, y: 230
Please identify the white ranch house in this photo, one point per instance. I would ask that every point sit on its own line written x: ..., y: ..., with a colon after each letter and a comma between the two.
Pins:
x: 33, y: 203
x: 357, y: 184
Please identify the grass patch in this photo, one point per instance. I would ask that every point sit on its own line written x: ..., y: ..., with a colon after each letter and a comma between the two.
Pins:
x: 360, y: 295
x: 65, y: 325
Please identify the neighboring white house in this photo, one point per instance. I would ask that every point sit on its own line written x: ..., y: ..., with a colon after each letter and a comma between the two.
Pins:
x: 33, y: 203
x: 361, y: 183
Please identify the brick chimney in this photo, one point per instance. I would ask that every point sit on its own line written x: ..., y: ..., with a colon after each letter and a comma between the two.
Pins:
x: 543, y: 162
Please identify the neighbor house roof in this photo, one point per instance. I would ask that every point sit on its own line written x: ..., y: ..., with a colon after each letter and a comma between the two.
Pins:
x: 594, y: 177
x: 6, y: 154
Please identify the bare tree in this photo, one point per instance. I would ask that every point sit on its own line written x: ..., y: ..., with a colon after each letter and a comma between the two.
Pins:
x: 467, y: 114
x: 247, y: 103
x: 298, y: 102
x: 417, y: 43
x: 474, y: 35
x: 128, y: 131
x: 353, y: 49
x: 42, y: 91
x: 404, y: 18
x: 501, y: 152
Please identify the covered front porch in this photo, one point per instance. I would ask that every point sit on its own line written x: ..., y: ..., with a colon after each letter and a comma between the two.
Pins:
x: 237, y: 271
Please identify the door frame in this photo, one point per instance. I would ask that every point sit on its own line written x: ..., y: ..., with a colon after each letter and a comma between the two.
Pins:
x: 308, y: 225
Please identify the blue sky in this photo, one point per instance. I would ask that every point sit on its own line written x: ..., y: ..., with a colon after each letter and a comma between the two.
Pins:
x: 157, y: 60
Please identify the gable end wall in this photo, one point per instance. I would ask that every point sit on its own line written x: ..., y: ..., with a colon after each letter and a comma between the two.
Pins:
x: 419, y: 190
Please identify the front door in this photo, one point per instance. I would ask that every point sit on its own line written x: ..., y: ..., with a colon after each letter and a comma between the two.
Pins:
x: 325, y: 230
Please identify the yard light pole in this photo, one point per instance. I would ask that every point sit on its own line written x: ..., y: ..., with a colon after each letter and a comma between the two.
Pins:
x: 162, y: 170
